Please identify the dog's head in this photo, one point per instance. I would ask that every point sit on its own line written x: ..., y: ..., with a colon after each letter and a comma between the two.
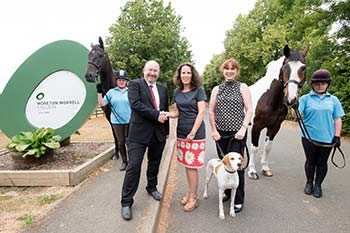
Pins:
x: 233, y: 161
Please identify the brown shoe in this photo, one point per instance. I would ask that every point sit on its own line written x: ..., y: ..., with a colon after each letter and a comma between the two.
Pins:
x: 267, y: 173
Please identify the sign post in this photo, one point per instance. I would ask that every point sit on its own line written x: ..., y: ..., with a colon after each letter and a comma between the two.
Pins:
x: 49, y: 90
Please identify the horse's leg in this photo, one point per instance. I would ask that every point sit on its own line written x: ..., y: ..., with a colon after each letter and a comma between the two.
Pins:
x: 270, y: 135
x: 252, y: 173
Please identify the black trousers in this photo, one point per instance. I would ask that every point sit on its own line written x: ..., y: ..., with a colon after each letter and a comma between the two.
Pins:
x: 316, y: 166
x: 121, y: 132
x: 136, y: 153
x: 233, y: 145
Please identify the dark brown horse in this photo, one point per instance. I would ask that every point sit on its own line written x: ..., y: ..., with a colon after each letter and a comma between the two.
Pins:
x: 100, y: 71
x: 272, y: 107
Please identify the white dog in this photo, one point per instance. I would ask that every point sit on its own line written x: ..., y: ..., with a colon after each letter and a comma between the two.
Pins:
x: 225, y: 171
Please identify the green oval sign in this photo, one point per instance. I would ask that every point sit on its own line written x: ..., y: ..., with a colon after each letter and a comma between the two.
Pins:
x: 49, y: 90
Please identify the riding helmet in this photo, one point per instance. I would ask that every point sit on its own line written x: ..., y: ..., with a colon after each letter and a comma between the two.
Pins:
x: 121, y: 74
x: 321, y: 75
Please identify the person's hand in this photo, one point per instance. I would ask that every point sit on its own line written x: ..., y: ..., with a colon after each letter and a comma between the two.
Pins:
x: 241, y: 133
x: 336, y: 141
x: 162, y: 117
x: 190, y: 136
x: 167, y: 114
x: 215, y: 135
x: 99, y: 88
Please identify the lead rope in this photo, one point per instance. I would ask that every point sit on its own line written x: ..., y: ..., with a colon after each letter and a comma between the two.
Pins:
x: 222, y: 154
x: 307, y: 136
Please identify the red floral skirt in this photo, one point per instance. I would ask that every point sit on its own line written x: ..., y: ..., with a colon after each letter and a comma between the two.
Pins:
x: 190, y: 153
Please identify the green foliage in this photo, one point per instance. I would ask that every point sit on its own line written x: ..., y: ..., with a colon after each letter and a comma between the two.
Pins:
x: 212, y: 75
x: 36, y: 143
x: 48, y: 199
x: 148, y: 30
x: 257, y: 38
x: 27, y: 219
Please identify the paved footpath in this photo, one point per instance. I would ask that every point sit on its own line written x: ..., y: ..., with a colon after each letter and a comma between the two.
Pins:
x: 95, y: 206
x: 275, y: 204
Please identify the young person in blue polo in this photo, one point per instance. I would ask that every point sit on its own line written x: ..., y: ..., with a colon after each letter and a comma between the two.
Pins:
x: 121, y: 111
x: 322, y: 114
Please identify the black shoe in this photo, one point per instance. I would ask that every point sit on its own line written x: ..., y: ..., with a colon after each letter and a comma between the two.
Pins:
x: 123, y: 166
x: 126, y: 213
x: 308, y: 188
x: 317, y: 191
x: 238, y: 209
x: 156, y: 195
x: 115, y: 156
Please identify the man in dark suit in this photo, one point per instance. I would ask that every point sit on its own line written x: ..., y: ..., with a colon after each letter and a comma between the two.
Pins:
x: 148, y: 129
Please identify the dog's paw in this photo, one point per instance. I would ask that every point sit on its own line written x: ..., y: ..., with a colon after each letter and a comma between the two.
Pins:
x: 222, y: 216
x: 232, y: 213
x: 253, y: 175
x: 205, y: 195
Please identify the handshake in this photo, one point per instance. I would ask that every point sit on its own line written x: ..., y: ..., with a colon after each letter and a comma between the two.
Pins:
x: 163, y: 116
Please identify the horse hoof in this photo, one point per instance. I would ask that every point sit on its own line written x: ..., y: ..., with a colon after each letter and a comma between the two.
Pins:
x: 253, y: 176
x: 267, y: 173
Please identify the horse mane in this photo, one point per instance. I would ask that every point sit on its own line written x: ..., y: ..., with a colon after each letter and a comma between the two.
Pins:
x: 106, y: 75
x: 264, y: 83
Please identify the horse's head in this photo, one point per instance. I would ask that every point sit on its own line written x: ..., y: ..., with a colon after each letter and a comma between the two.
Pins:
x: 292, y: 74
x: 97, y: 57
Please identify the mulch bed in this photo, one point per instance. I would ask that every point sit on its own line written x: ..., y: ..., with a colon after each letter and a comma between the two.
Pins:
x: 66, y: 157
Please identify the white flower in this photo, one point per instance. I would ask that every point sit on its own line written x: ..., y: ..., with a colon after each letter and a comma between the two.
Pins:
x: 182, y: 144
x: 194, y: 146
x: 202, y: 145
x: 188, y: 145
x: 189, y: 157
x: 201, y: 157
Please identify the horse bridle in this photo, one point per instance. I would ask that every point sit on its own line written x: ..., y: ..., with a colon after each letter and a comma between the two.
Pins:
x: 300, y: 84
x: 285, y: 84
x: 98, y: 67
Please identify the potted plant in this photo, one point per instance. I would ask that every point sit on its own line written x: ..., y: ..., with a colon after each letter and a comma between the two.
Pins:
x: 34, y: 145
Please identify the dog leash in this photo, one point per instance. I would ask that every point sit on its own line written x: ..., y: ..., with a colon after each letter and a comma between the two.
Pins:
x: 222, y: 154
x: 307, y: 137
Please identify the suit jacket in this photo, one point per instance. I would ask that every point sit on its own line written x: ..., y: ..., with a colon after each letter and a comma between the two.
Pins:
x: 144, y: 117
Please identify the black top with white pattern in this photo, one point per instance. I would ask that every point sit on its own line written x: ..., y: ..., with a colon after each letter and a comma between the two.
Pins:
x: 229, y: 106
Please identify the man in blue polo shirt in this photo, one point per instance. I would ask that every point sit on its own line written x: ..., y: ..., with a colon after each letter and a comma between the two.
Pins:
x: 322, y: 114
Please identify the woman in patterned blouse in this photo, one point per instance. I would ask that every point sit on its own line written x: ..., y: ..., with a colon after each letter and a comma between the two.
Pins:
x: 230, y: 112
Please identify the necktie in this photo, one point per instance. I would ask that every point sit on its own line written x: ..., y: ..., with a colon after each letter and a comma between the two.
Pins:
x: 153, y: 98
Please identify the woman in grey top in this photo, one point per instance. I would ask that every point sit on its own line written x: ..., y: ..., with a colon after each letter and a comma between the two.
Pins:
x: 230, y: 112
x: 189, y: 106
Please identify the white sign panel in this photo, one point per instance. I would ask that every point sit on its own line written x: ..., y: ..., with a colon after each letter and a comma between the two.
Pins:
x: 56, y: 100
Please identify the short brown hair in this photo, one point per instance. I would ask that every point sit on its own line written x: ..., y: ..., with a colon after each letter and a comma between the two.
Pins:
x: 196, y: 80
x: 232, y: 61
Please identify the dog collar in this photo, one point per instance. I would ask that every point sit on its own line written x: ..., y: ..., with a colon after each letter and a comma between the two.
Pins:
x: 231, y: 172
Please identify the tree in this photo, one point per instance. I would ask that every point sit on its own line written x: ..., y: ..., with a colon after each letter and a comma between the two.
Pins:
x: 257, y: 38
x: 148, y: 30
x: 212, y: 75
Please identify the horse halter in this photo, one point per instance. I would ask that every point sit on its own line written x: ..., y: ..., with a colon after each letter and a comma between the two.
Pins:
x: 285, y: 83
x: 97, y: 61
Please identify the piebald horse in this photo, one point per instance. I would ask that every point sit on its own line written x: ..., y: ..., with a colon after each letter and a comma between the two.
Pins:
x: 272, y: 107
